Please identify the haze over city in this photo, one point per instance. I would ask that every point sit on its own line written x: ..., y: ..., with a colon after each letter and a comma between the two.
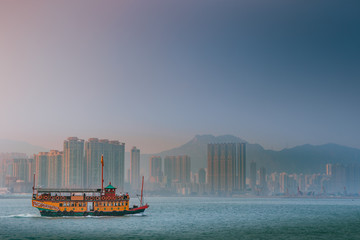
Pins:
x: 155, y: 73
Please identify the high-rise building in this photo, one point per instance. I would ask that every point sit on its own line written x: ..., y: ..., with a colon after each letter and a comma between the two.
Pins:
x: 128, y: 176
x: 49, y: 168
x: 93, y: 152
x: 155, y: 169
x: 226, y: 167
x: 177, y: 169
x: 202, y: 176
x: 16, y: 173
x: 42, y: 169
x: 352, y: 178
x: 114, y: 155
x: 283, y: 182
x: 183, y: 171
x: 328, y: 169
x: 252, y: 175
x: 262, y: 178
x: 169, y: 169
x: 55, y: 168
x: 338, y: 175
x: 135, y: 168
x: 117, y: 164
x: 19, y: 169
x: 74, y: 164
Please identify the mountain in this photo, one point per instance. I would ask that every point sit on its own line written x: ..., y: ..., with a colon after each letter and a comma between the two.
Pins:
x: 307, y: 158
x: 7, y: 146
x: 197, y: 150
x: 300, y: 159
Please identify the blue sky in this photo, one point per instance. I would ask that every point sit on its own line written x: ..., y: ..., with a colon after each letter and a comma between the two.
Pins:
x: 155, y: 73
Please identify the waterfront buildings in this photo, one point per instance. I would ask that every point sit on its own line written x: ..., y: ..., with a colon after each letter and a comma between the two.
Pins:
x: 49, y: 168
x: 114, y: 159
x: 42, y: 169
x: 226, y: 167
x: 328, y: 169
x: 74, y: 164
x: 135, y: 168
x: 262, y: 178
x: 252, y: 175
x: 16, y: 172
x: 177, y: 169
x: 55, y: 168
x: 202, y: 176
x: 155, y: 169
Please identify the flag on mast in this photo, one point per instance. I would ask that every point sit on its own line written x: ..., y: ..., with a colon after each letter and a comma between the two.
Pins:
x: 102, y: 160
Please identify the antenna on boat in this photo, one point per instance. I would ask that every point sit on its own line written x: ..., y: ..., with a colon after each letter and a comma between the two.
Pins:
x: 102, y: 173
x: 142, y: 188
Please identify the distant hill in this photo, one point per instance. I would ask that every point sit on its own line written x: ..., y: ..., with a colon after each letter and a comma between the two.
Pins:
x: 197, y: 149
x: 300, y: 159
x: 7, y: 146
x: 306, y: 158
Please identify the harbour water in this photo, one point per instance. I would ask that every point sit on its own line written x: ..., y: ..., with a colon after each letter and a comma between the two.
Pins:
x: 194, y: 218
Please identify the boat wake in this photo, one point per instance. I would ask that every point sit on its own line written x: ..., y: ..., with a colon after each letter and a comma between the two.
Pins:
x: 26, y: 215
x: 138, y: 215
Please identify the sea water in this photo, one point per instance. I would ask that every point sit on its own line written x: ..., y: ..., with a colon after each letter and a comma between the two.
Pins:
x: 194, y: 218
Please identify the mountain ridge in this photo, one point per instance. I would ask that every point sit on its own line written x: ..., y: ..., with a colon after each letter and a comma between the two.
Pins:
x: 12, y: 146
x: 304, y: 158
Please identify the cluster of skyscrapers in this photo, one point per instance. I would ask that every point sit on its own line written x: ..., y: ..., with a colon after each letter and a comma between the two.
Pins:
x: 338, y: 180
x: 79, y: 166
x: 225, y: 172
x: 226, y: 167
x: 16, y: 170
x: 176, y: 175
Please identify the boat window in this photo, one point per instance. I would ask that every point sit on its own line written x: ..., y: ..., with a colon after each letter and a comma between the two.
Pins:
x: 96, y: 204
x: 108, y: 204
x: 79, y: 204
x: 72, y: 204
x: 61, y: 204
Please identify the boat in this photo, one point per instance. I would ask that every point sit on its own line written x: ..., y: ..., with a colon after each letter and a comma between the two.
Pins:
x: 53, y: 202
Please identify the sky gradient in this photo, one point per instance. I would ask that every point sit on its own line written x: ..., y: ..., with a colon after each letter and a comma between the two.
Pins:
x: 153, y: 74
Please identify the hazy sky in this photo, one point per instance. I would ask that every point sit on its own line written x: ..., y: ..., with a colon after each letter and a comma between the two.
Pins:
x: 155, y: 73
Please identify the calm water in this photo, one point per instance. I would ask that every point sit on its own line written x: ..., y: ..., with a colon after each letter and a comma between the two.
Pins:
x: 194, y: 218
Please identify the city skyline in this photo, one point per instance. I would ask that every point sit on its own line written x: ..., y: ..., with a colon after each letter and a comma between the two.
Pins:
x: 152, y: 74
x: 225, y: 119
x: 226, y: 162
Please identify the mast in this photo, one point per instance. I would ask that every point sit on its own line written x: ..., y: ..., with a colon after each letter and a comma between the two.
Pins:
x: 102, y: 173
x: 142, y: 188
x: 34, y: 184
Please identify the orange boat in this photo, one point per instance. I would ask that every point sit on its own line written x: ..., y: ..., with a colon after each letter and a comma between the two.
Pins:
x: 85, y: 202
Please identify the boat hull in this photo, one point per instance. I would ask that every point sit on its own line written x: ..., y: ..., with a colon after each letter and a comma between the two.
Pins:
x: 49, y: 213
